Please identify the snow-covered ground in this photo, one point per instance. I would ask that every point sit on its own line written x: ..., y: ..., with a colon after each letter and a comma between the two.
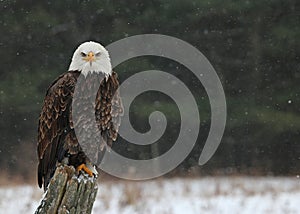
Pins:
x: 184, y: 196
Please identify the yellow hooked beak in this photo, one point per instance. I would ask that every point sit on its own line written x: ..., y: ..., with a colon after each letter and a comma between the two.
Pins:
x: 90, y: 57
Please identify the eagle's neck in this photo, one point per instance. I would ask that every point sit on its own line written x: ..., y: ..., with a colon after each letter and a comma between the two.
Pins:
x: 87, y: 72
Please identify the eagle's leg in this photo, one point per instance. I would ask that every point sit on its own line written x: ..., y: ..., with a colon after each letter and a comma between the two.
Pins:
x: 84, y: 168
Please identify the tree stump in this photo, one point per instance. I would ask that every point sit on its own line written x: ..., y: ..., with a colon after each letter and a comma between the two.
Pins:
x: 68, y: 193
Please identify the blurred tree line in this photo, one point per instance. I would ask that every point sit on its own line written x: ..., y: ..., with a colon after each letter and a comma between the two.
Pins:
x: 253, y: 45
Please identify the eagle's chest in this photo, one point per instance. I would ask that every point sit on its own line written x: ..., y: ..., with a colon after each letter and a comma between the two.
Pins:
x: 90, y: 88
x: 91, y: 102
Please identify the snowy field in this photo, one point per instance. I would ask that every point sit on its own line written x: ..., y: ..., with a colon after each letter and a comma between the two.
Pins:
x: 171, y: 196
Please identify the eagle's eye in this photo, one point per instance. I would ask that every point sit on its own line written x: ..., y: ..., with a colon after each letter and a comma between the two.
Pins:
x: 97, y: 54
x: 83, y: 54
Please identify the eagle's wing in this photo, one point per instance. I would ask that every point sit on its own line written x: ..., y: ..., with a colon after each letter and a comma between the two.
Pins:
x: 109, y: 110
x: 54, y: 125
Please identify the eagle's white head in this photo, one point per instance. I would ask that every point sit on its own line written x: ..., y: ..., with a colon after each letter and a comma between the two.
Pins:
x: 91, y: 57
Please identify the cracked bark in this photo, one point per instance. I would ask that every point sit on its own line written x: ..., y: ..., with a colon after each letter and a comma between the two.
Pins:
x: 68, y: 194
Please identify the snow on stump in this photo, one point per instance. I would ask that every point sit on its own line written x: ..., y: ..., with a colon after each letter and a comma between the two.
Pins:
x: 68, y: 193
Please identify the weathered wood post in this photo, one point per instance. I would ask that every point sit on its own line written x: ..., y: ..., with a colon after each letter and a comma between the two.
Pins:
x: 68, y: 193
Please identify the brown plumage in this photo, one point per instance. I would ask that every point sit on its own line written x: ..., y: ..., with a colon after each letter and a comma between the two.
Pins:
x: 56, y: 135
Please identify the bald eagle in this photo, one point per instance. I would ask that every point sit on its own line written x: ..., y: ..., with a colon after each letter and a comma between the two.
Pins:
x: 57, y: 140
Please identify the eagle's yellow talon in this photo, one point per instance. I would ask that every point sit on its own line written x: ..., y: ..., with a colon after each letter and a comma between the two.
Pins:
x: 84, y: 168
